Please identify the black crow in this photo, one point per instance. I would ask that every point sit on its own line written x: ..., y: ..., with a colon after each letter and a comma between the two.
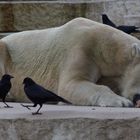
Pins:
x: 39, y: 95
x: 136, y: 100
x: 5, y: 86
x: 124, y: 28
x: 128, y: 29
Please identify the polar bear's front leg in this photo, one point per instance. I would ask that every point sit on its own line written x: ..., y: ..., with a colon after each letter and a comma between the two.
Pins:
x: 77, y: 83
x: 87, y: 93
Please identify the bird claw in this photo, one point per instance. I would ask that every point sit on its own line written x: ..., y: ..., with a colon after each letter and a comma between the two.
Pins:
x: 25, y: 106
x: 36, y: 113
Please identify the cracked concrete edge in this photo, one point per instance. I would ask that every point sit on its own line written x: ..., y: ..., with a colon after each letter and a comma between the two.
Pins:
x: 70, y: 129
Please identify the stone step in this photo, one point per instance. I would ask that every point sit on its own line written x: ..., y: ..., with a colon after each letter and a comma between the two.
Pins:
x: 69, y: 123
x: 26, y: 15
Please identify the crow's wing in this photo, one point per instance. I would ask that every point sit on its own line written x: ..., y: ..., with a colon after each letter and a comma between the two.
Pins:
x: 4, y: 89
x: 37, y: 92
x: 1, y: 84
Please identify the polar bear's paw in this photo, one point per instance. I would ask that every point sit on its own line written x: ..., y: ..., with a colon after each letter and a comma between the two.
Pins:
x: 113, y: 101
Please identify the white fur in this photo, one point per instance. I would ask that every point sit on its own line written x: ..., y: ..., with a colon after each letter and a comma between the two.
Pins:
x: 70, y: 59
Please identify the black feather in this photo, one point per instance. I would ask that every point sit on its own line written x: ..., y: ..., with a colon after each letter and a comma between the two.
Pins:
x: 39, y: 95
x: 128, y: 29
x: 5, y: 86
x: 107, y: 21
x: 124, y: 28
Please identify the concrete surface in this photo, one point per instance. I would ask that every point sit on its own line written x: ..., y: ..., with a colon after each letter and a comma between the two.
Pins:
x: 67, y: 111
x: 63, y: 122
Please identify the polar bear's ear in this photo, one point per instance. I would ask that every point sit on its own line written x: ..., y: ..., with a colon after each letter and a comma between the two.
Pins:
x: 135, y: 51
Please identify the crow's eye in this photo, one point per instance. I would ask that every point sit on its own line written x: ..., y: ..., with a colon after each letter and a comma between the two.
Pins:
x: 136, y: 97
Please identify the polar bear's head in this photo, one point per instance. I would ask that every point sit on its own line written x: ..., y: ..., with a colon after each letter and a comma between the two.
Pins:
x: 131, y: 82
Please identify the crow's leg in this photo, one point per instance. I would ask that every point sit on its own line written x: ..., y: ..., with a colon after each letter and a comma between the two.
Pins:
x: 37, y: 112
x: 28, y: 106
x: 7, y: 106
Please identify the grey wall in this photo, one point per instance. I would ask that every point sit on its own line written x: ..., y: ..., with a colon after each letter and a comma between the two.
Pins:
x: 17, y: 16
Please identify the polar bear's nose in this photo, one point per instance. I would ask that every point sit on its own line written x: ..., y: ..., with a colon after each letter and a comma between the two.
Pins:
x: 136, y: 100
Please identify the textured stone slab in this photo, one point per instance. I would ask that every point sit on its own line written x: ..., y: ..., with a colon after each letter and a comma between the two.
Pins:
x: 132, y: 20
x: 119, y: 9
x: 26, y: 15
x: 69, y: 123
x: 33, y: 15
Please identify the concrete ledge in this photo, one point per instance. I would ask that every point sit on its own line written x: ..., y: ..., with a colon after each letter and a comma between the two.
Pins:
x: 67, y: 111
x: 69, y: 123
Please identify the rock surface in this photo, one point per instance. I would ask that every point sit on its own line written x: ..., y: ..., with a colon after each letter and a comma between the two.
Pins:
x: 26, y: 15
x: 62, y: 122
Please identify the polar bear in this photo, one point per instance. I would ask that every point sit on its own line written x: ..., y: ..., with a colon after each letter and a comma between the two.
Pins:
x: 83, y: 61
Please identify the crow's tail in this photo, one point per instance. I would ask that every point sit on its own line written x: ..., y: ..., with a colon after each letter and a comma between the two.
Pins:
x: 137, y: 30
x: 107, y: 21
